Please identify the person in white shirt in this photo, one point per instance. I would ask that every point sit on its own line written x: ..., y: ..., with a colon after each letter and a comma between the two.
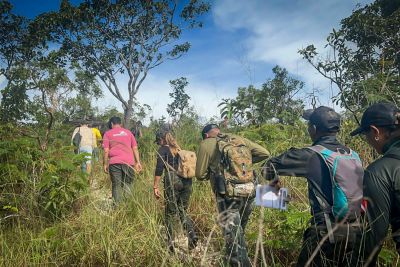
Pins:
x: 86, y: 145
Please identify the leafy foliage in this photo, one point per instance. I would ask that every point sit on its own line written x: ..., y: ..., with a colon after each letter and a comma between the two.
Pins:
x: 125, y: 37
x: 274, y: 100
x: 40, y: 78
x: 364, y: 61
x: 36, y: 182
x: 180, y: 99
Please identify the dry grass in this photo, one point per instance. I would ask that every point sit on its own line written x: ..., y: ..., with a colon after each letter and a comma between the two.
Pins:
x: 133, y: 234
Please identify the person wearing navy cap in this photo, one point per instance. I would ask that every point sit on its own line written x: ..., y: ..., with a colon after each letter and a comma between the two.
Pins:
x: 334, y: 174
x: 380, y: 126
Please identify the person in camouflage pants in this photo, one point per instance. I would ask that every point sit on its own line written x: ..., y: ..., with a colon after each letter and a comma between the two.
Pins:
x: 234, y: 212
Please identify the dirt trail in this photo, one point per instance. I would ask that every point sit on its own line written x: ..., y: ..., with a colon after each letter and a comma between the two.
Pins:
x: 202, y: 255
x: 99, y: 193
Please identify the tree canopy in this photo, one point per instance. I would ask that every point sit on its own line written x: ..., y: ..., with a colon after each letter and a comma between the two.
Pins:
x: 364, y: 58
x: 276, y: 99
x: 125, y: 39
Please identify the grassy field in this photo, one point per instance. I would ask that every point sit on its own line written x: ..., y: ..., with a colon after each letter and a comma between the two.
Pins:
x: 92, y: 233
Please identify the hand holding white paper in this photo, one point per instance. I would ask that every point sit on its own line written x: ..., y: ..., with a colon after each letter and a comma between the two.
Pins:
x: 267, y: 196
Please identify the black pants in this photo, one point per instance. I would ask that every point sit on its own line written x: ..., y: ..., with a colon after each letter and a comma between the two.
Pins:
x: 317, y: 250
x: 233, y: 217
x: 177, y: 193
x: 121, y: 180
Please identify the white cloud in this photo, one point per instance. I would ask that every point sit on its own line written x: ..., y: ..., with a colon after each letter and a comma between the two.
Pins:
x: 155, y: 90
x: 260, y: 33
x: 278, y: 29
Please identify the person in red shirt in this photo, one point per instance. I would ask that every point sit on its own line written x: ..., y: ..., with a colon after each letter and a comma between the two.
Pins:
x: 121, y: 158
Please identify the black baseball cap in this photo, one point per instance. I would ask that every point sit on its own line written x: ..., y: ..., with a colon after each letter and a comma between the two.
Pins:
x: 324, y: 118
x: 379, y: 114
x: 160, y: 135
x: 208, y: 128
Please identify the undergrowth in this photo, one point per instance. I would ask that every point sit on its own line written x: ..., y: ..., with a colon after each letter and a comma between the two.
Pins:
x: 82, y: 229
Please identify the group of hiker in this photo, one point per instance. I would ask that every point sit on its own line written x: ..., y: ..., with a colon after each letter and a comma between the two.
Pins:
x: 351, y: 208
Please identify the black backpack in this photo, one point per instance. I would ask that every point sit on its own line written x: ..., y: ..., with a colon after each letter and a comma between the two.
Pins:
x: 76, y: 141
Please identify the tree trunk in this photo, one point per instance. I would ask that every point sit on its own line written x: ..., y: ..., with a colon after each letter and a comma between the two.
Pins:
x: 128, y: 115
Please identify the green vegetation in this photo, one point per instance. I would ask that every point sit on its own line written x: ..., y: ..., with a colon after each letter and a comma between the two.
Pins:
x: 274, y: 100
x: 53, y: 214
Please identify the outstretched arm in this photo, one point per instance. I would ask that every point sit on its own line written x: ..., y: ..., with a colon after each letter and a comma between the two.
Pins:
x: 293, y: 162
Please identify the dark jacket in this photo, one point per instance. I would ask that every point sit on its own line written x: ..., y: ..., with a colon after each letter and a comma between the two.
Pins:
x: 306, y: 163
x: 164, y: 156
x: 382, y: 191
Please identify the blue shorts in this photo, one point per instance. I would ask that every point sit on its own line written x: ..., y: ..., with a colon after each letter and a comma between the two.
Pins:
x: 87, y: 149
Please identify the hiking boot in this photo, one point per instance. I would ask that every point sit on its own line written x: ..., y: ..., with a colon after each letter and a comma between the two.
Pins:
x: 192, y: 241
x: 171, y: 249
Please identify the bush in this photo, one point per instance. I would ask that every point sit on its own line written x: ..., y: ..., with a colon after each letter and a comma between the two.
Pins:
x: 36, y: 183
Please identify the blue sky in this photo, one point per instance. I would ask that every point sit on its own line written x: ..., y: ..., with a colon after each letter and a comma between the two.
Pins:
x: 240, y: 43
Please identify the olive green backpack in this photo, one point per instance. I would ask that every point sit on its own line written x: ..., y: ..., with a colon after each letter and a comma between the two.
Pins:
x: 236, y: 160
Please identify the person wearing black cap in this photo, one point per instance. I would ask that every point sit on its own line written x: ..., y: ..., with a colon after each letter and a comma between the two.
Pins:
x: 323, y: 242
x: 234, y: 212
x: 380, y: 124
x: 177, y: 190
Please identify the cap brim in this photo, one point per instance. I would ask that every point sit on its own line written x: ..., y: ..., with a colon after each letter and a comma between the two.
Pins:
x: 307, y: 114
x: 357, y: 131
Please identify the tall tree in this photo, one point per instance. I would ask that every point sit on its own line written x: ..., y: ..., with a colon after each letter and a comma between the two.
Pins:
x: 39, y: 78
x: 364, y: 58
x: 126, y: 38
x: 276, y: 99
x: 13, y: 50
x: 180, y: 98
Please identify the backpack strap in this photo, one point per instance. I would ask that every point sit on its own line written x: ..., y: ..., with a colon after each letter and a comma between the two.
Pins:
x: 166, y: 161
x: 316, y: 189
x: 321, y: 198
x: 224, y: 160
x: 393, y: 156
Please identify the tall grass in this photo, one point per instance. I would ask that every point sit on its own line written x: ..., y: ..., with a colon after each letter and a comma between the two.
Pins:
x: 132, y: 234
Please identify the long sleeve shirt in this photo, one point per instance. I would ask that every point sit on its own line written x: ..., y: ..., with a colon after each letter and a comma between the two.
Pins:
x: 303, y: 162
x: 208, y: 157
x: 382, y: 191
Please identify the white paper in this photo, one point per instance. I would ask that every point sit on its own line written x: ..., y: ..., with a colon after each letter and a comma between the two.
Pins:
x: 267, y: 196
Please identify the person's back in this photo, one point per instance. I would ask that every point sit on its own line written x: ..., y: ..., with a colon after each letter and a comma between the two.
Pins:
x: 213, y: 158
x: 120, y: 142
x: 235, y: 201
x: 121, y: 158
x: 305, y: 162
x: 97, y: 134
x: 88, y: 139
x: 327, y: 191
x: 86, y: 144
x: 177, y: 189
